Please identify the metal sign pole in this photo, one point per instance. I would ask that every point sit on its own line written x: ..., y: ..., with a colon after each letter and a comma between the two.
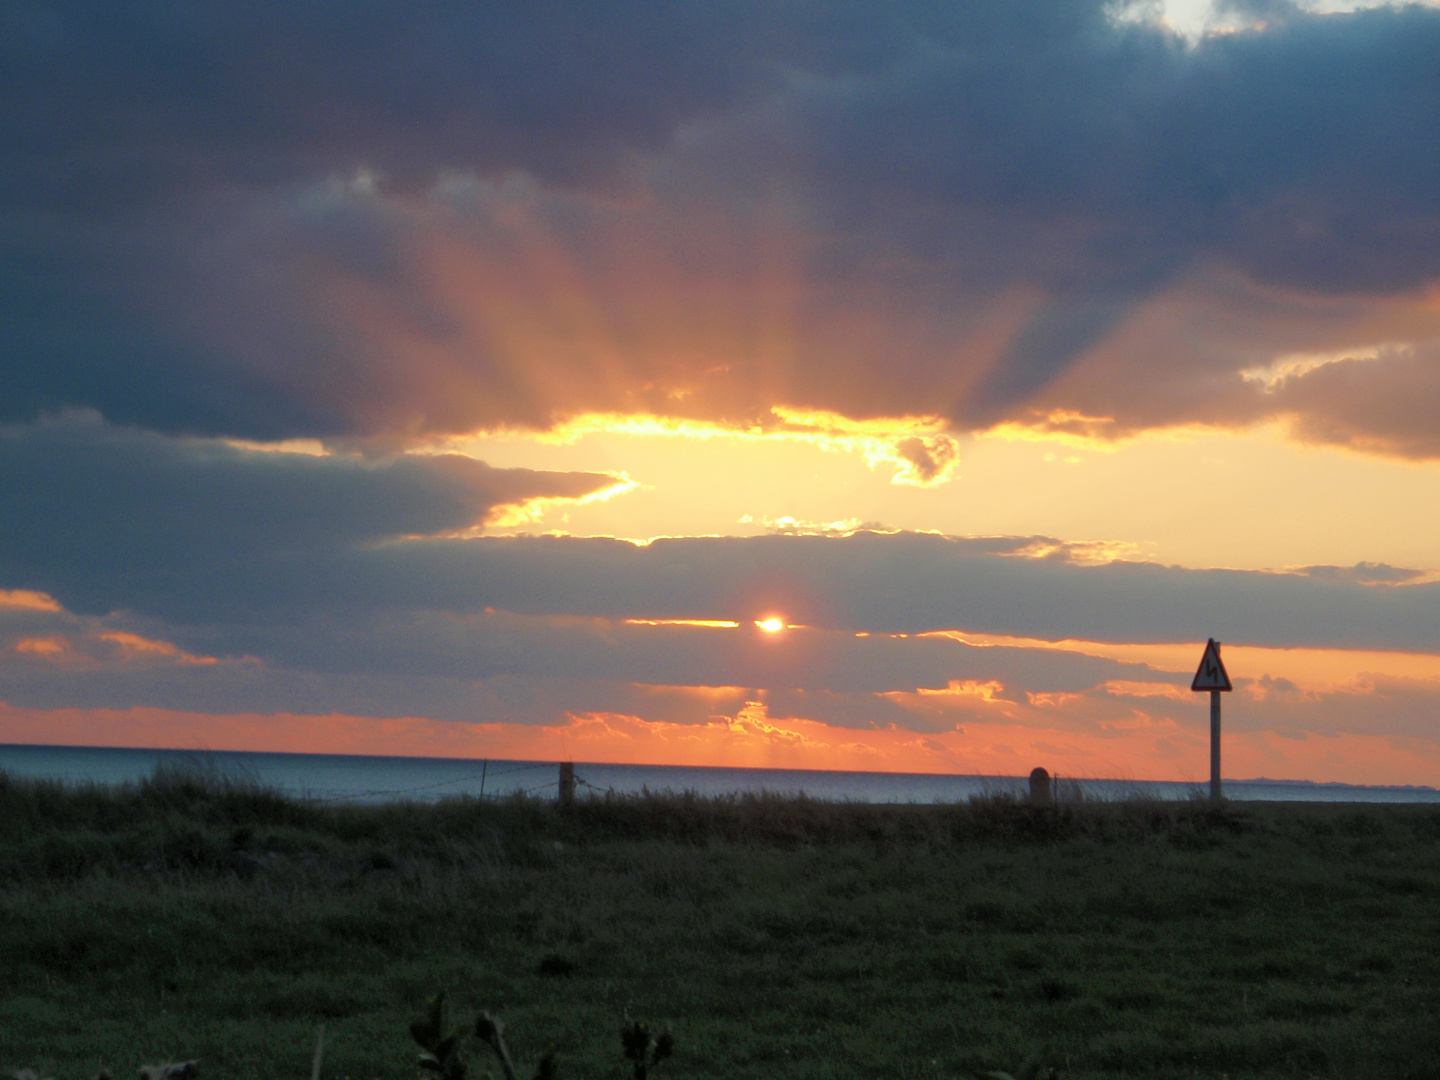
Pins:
x: 1211, y: 675
x: 1215, y: 794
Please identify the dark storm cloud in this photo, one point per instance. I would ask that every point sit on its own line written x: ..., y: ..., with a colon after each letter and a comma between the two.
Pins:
x: 196, y: 575
x: 1048, y: 343
x: 1297, y: 151
x: 136, y: 507
x: 489, y: 645
x: 911, y: 583
x: 502, y: 668
x: 48, y: 659
x: 1297, y: 156
x: 172, y: 245
x: 496, y: 666
x: 197, y: 533
x: 129, y: 128
x: 111, y: 104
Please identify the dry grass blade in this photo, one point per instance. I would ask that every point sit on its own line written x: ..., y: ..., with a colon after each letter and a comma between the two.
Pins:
x: 319, y: 1053
x: 170, y: 1070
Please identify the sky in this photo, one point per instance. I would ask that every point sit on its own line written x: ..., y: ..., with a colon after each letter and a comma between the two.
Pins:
x: 829, y: 384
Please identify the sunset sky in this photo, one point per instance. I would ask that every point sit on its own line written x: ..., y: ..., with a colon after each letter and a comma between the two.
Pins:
x: 801, y: 383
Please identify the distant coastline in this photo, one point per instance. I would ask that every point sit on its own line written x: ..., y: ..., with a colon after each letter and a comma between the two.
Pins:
x: 1334, y: 784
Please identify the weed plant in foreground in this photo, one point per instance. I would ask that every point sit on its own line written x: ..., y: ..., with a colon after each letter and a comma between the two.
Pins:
x: 191, y: 916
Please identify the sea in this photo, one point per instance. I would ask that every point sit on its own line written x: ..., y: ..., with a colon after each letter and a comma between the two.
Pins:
x: 348, y: 778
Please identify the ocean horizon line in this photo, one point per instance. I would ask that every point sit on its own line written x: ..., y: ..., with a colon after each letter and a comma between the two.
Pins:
x: 343, y: 777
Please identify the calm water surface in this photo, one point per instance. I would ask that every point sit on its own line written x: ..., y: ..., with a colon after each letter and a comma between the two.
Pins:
x: 350, y: 778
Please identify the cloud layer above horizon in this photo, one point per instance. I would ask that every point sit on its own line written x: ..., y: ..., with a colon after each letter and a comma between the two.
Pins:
x: 191, y: 575
x: 271, y: 276
x: 392, y: 220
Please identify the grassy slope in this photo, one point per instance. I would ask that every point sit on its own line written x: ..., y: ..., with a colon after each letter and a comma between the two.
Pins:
x: 775, y: 936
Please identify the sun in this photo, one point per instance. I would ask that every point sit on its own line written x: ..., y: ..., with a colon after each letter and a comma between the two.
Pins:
x: 771, y: 625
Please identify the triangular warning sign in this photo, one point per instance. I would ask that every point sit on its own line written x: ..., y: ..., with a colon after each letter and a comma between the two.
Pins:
x: 1211, y: 674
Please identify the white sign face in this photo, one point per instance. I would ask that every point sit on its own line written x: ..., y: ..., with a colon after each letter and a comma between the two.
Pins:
x: 1211, y: 674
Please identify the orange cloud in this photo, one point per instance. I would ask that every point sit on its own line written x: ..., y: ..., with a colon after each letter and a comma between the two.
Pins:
x: 718, y: 624
x: 47, y: 646
x: 27, y: 600
x: 133, y: 647
x: 531, y: 510
x: 1314, y: 668
x: 964, y: 699
x: 752, y: 739
x: 918, y: 449
x: 1064, y: 426
x: 104, y: 649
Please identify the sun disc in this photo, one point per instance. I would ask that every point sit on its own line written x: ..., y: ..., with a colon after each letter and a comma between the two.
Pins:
x: 771, y: 625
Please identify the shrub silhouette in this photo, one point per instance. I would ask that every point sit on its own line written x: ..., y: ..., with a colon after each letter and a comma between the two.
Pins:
x: 439, y: 1050
x: 644, y: 1049
x: 442, y: 1051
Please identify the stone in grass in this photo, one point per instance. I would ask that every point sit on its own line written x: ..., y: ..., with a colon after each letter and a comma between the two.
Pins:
x: 1040, y: 790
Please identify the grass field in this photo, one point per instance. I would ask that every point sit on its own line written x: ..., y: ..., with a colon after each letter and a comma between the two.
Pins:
x: 191, y: 916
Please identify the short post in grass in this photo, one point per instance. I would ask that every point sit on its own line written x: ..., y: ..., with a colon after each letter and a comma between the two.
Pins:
x: 567, y: 783
x: 1211, y: 676
x: 1040, y: 787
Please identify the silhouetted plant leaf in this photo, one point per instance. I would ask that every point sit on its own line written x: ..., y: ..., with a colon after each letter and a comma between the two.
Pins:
x: 488, y: 1027
x: 429, y: 1031
x: 644, y: 1048
x: 549, y: 1067
x: 635, y: 1038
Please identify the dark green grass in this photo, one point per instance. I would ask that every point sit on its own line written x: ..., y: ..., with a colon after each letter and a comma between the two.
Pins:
x: 202, y: 917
